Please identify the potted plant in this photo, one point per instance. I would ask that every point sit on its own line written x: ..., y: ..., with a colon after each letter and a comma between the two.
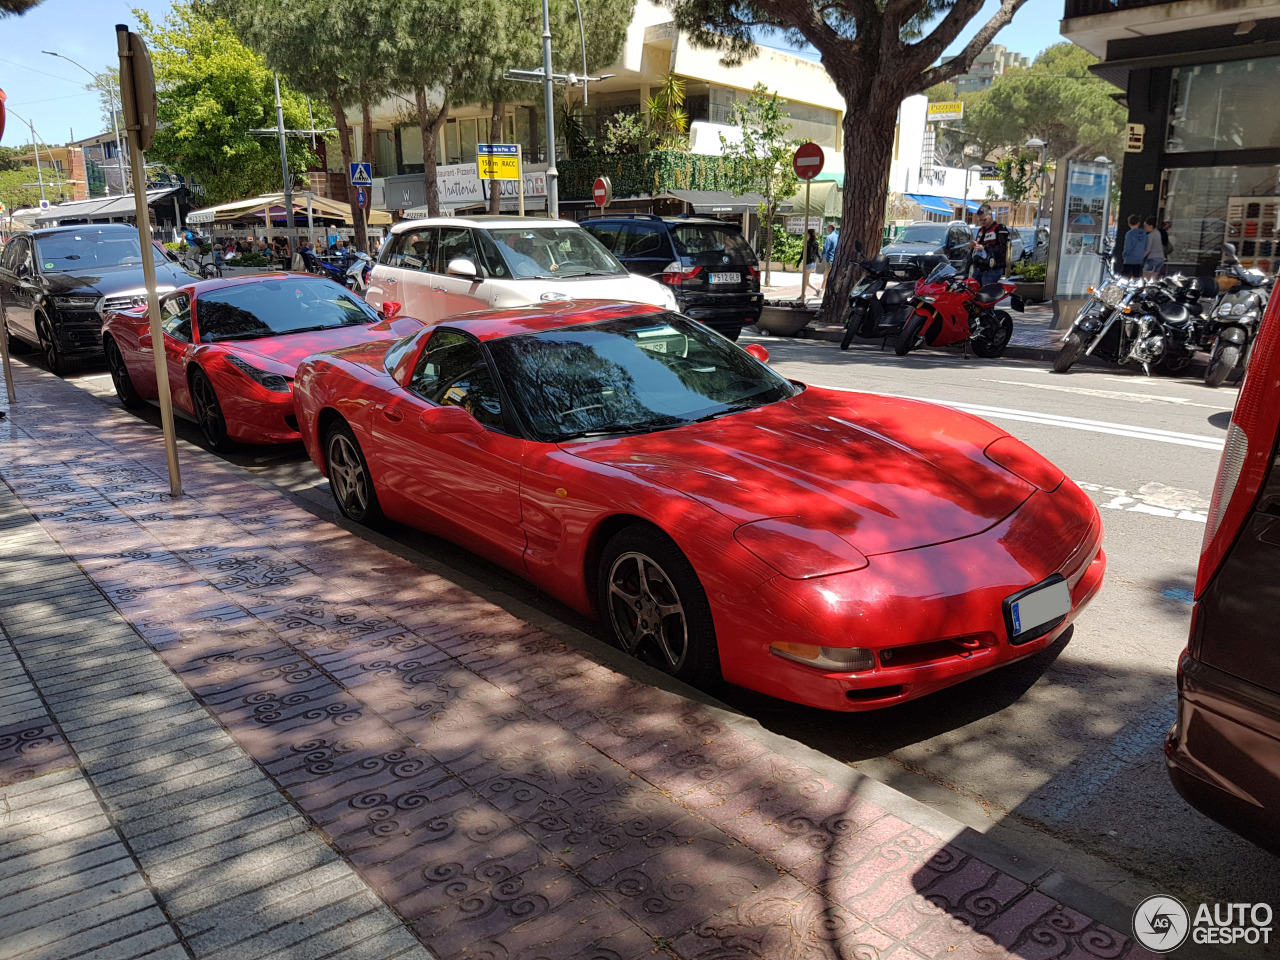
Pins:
x: 1030, y: 281
x: 784, y: 318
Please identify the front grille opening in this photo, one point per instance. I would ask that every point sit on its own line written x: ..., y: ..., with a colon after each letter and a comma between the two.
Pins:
x: 936, y: 651
x: 874, y: 693
x: 292, y: 421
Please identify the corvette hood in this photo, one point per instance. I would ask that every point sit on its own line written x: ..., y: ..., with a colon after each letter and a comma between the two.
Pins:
x: 885, y: 474
x: 289, y: 350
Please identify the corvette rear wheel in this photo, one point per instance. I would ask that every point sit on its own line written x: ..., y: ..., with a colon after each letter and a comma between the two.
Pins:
x: 654, y: 606
x: 213, y: 425
x: 129, y: 398
x: 349, y: 477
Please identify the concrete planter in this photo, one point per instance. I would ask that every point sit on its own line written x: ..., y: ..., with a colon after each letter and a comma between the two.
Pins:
x: 784, y: 321
x: 1031, y: 291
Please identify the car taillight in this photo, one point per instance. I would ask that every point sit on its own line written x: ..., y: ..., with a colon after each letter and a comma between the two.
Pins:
x: 678, y: 273
x: 1246, y: 454
x: 753, y: 272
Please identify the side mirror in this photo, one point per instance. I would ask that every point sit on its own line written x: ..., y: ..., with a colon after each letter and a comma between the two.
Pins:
x: 450, y: 420
x: 757, y: 351
x: 390, y: 308
x: 464, y: 268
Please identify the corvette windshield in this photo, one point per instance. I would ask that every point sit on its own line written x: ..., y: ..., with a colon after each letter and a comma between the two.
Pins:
x: 630, y: 376
x: 273, y: 307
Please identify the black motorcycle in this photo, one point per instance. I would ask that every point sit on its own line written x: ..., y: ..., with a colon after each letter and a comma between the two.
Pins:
x: 1146, y: 322
x: 881, y: 301
x: 1232, y: 325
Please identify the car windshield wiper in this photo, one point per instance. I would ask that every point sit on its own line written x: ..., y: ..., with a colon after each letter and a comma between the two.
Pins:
x: 242, y: 336
x: 646, y: 427
x: 322, y: 326
x: 732, y: 408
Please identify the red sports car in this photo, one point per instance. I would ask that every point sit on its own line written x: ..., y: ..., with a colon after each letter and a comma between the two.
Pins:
x: 233, y: 346
x: 841, y: 550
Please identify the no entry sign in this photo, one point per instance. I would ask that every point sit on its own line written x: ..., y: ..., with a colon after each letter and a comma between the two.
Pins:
x: 602, y: 192
x: 808, y: 160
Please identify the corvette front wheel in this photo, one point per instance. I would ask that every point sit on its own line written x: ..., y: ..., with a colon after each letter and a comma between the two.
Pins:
x: 349, y: 477
x: 654, y: 606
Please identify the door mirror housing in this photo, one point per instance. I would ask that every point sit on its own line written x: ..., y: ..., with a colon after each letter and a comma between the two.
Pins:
x: 450, y: 420
x: 757, y: 351
x: 464, y: 268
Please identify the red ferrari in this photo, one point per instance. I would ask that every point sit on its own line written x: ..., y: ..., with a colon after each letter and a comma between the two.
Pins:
x: 841, y: 550
x: 233, y: 346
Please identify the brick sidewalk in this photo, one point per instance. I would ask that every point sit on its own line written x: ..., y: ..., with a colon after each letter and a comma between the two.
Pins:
x: 276, y: 739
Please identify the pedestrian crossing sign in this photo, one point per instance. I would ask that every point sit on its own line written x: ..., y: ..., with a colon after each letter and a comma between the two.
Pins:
x: 362, y: 175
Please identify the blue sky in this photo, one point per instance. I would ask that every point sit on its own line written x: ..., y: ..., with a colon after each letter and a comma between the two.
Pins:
x: 51, y: 91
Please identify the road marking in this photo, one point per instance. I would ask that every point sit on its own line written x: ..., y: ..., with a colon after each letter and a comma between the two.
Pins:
x: 1179, y: 595
x: 1155, y: 499
x: 1112, y: 394
x: 1054, y: 420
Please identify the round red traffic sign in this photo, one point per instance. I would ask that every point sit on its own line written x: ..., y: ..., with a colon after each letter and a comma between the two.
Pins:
x: 602, y: 192
x: 808, y: 160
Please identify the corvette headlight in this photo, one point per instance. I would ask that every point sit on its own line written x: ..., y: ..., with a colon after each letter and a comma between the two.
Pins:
x: 799, y: 549
x: 843, y: 659
x: 275, y: 382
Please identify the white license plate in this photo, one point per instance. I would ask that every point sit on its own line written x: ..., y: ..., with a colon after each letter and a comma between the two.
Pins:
x: 1039, y: 607
x: 726, y: 278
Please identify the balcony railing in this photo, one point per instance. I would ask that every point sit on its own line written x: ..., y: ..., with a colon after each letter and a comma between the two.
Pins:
x: 1089, y: 8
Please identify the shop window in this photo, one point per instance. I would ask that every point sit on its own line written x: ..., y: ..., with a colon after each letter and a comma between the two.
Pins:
x: 1209, y: 206
x: 452, y: 145
x: 1224, y: 106
x: 468, y: 137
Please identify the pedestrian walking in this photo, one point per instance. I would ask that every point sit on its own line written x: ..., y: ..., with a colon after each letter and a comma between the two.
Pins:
x: 1153, y: 258
x: 1135, y: 248
x: 809, y: 254
x: 990, y: 247
x: 829, y: 244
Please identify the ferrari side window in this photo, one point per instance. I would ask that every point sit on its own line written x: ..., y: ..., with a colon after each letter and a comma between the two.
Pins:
x: 175, y: 317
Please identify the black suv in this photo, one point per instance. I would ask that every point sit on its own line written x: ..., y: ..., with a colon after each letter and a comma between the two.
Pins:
x: 55, y: 285
x: 706, y: 262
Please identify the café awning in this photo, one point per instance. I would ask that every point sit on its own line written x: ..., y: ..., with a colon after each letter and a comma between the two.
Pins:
x: 717, y: 201
x: 101, y: 209
x: 943, y: 205
x: 272, y: 205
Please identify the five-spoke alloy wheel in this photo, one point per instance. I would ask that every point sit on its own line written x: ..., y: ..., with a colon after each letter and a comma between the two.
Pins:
x: 349, y: 477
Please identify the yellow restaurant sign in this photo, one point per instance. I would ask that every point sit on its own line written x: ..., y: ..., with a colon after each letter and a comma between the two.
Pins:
x: 953, y: 110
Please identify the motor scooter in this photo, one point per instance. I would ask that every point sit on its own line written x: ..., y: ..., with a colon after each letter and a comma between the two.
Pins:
x: 357, y: 274
x: 878, y: 310
x: 948, y: 309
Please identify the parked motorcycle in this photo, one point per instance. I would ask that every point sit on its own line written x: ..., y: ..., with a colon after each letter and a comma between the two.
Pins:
x: 1133, y: 321
x: 948, y: 309
x: 1233, y: 323
x: 357, y: 274
x: 877, y: 310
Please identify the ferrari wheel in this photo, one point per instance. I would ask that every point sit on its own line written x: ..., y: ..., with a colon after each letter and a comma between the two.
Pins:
x: 349, y: 477
x: 654, y: 606
x: 910, y: 336
x: 129, y: 398
x: 213, y: 425
x: 53, y: 357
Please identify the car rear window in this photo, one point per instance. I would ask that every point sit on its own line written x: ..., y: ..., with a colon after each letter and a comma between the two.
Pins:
x: 702, y: 243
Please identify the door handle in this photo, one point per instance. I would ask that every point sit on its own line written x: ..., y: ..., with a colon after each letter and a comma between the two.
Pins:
x: 389, y: 280
x: 392, y: 414
x: 439, y: 289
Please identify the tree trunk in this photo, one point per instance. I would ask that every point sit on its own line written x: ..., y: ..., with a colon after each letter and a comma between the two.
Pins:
x: 366, y: 155
x: 344, y: 138
x: 868, y: 150
x: 429, y: 123
x: 769, y: 211
x: 495, y: 136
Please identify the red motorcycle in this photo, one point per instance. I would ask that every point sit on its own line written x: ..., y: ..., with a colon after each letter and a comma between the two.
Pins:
x: 949, y: 309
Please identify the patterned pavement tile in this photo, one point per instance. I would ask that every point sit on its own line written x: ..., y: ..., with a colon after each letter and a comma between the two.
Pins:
x: 32, y: 749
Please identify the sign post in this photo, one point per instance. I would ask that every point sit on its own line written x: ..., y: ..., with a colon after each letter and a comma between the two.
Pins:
x: 807, y: 163
x: 602, y: 192
x: 520, y: 164
x: 138, y: 97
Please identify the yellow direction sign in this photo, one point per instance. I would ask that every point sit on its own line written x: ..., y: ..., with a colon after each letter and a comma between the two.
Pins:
x: 497, y: 161
x: 952, y: 110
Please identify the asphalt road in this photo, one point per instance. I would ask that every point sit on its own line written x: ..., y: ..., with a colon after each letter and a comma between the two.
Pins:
x: 1059, y: 754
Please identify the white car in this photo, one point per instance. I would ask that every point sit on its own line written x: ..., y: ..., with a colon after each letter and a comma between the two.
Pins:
x: 443, y: 266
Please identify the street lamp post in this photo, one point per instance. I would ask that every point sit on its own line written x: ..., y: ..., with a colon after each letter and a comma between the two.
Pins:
x: 111, y: 99
x: 1035, y: 143
x: 553, y: 175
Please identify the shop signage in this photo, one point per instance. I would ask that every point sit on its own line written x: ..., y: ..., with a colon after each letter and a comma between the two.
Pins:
x: 460, y: 185
x: 1137, y: 134
x: 951, y: 110
x: 989, y: 172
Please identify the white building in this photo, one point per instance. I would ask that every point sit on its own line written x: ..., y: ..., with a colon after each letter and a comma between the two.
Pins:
x: 937, y: 192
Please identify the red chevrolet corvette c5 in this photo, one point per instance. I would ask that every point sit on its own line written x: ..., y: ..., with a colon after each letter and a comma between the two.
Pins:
x: 841, y: 550
x: 232, y: 347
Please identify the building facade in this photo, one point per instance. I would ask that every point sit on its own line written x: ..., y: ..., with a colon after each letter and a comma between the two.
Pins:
x: 1201, y: 81
x: 994, y: 61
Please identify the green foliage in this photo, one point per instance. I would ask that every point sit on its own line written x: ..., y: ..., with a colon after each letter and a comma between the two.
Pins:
x: 9, y: 8
x: 179, y: 247
x: 9, y: 156
x: 1018, y: 174
x: 1031, y: 272
x: 251, y: 260
x: 106, y: 85
x: 212, y: 91
x: 944, y: 92
x: 1057, y: 100
x: 14, y: 192
x: 654, y: 172
x: 786, y: 246
x: 668, y: 120
x: 625, y: 132
x: 763, y: 155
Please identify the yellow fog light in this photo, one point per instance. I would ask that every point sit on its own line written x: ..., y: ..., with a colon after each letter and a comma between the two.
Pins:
x: 844, y: 659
